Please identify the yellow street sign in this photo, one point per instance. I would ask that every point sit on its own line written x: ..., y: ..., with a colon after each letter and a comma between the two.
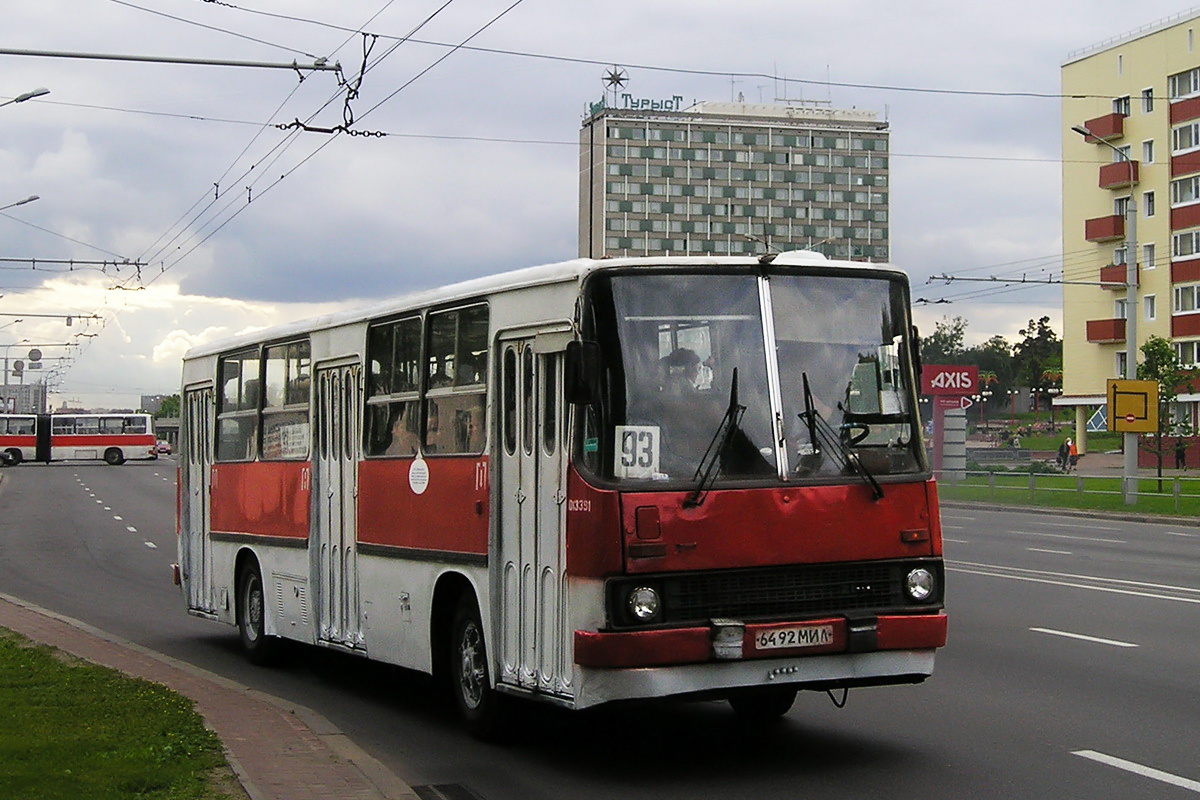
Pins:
x: 1132, y: 406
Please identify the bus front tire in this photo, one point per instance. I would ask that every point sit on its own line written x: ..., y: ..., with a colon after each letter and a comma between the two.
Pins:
x: 114, y: 457
x: 478, y: 704
x: 766, y: 704
x: 251, y: 618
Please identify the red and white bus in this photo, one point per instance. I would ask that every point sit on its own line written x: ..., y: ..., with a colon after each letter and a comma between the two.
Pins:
x: 583, y: 482
x: 114, y: 438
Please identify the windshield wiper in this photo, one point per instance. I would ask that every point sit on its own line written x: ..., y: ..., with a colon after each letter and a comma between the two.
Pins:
x: 842, y: 456
x: 706, y: 473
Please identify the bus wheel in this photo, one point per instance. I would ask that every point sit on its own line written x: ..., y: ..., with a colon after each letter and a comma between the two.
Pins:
x: 15, y: 455
x: 251, y: 615
x: 763, y: 705
x: 113, y: 457
x: 480, y: 707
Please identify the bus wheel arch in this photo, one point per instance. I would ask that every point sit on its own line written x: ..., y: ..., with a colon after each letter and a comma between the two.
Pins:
x: 466, y: 661
x: 250, y: 611
x: 114, y: 457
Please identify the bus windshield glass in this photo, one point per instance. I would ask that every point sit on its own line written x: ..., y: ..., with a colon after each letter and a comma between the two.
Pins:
x: 671, y: 344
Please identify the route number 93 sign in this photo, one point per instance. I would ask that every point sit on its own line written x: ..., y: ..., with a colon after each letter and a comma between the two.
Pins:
x: 636, y: 453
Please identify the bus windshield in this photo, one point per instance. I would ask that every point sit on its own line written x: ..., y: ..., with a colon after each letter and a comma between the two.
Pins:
x: 837, y: 380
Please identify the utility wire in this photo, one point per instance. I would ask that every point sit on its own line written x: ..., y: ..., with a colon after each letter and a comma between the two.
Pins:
x: 216, y: 29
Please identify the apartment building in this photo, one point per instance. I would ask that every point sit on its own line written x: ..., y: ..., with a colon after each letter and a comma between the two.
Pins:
x: 732, y: 179
x: 1138, y: 95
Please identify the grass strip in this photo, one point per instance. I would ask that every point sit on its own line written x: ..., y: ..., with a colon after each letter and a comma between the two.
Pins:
x: 71, y: 729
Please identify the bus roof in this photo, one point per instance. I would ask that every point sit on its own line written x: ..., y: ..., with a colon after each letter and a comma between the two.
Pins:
x: 564, y: 271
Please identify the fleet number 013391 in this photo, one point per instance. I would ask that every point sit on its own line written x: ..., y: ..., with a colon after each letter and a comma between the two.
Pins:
x: 795, y: 636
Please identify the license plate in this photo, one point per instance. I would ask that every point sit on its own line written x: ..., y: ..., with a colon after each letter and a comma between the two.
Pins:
x: 794, y: 636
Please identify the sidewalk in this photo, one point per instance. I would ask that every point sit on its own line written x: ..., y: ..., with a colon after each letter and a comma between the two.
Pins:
x: 279, y: 751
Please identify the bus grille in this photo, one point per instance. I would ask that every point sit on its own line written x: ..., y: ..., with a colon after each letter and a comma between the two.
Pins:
x: 795, y: 591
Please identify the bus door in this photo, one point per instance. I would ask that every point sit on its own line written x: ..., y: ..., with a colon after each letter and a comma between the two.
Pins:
x: 332, y: 545
x: 195, y: 551
x: 535, y: 650
x: 43, y: 452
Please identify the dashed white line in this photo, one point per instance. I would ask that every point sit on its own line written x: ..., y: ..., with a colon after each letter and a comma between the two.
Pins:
x: 1052, y: 552
x: 151, y: 545
x: 955, y: 541
x: 131, y: 529
x: 117, y: 516
x: 1083, y: 638
x: 1179, y: 533
x: 1075, y: 525
x: 1068, y: 536
x: 1139, y: 769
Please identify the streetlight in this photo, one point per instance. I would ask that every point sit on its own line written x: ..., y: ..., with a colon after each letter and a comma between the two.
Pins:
x: 21, y: 98
x: 1128, y: 439
x: 29, y: 199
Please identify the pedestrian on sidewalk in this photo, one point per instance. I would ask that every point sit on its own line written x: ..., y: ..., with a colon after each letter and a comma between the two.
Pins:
x: 1064, y: 454
x: 1180, y: 453
x: 1072, y: 454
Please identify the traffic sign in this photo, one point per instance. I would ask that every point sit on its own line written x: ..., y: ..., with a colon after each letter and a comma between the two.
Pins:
x: 1132, y: 406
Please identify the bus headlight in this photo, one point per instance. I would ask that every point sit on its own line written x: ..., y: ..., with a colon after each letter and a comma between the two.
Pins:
x: 920, y: 584
x: 643, y: 603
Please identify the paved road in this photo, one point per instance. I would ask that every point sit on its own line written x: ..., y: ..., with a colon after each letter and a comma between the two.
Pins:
x: 1072, y: 668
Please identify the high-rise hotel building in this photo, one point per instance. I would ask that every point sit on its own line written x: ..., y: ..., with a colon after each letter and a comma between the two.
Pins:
x: 1139, y: 93
x: 732, y: 178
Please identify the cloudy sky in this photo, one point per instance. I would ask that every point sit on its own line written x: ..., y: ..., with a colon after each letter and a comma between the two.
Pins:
x: 237, y: 223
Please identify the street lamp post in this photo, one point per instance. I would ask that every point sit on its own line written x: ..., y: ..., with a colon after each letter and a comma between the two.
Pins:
x: 21, y: 98
x: 1129, y: 440
x: 29, y: 199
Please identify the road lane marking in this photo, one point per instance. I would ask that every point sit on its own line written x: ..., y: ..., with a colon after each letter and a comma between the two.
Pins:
x: 1139, y: 769
x: 946, y: 527
x: 117, y: 516
x: 1069, y: 536
x: 1053, y: 552
x: 151, y: 545
x: 131, y: 529
x: 1058, y: 579
x: 956, y: 541
x: 1083, y: 638
x: 1178, y: 533
x: 1075, y: 525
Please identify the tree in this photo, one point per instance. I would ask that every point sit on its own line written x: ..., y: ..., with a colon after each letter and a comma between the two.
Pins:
x: 1160, y: 363
x: 169, y: 407
x: 945, y: 344
x: 1039, y: 351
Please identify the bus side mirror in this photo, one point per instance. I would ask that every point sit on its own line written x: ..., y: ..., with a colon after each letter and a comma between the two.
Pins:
x: 581, y: 373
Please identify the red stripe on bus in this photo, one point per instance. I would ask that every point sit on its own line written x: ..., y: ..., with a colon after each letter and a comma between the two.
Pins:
x: 102, y: 440
x: 265, y: 498
x: 450, y: 515
x: 766, y: 527
x: 18, y: 441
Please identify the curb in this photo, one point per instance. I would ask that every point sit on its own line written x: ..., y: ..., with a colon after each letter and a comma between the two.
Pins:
x: 1127, y: 516
x: 361, y: 775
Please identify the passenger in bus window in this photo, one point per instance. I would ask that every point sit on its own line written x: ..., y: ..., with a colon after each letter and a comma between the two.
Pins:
x: 405, y: 440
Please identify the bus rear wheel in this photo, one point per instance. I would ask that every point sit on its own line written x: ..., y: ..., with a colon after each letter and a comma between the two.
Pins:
x: 259, y: 648
x: 478, y: 704
x: 766, y: 704
x: 114, y: 457
x: 15, y: 455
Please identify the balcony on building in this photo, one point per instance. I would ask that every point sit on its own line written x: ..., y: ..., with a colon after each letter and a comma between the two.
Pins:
x: 1104, y: 229
x: 1119, y: 174
x: 1105, y: 331
x: 1113, y: 276
x: 1110, y: 126
x: 1185, y: 325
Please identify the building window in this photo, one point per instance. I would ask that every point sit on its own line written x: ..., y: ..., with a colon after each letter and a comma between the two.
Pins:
x: 1183, y: 299
x: 1122, y: 153
x: 1185, y: 244
x: 1147, y: 101
x: 1121, y: 361
x: 1184, y: 84
x: 1148, y: 256
x: 1185, y: 138
x: 1120, y: 206
x: 1186, y: 351
x: 1148, y: 203
x: 1120, y: 308
x: 1148, y: 151
x: 1119, y: 255
x: 1185, y: 191
x: 1148, y: 308
x: 1120, y: 105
